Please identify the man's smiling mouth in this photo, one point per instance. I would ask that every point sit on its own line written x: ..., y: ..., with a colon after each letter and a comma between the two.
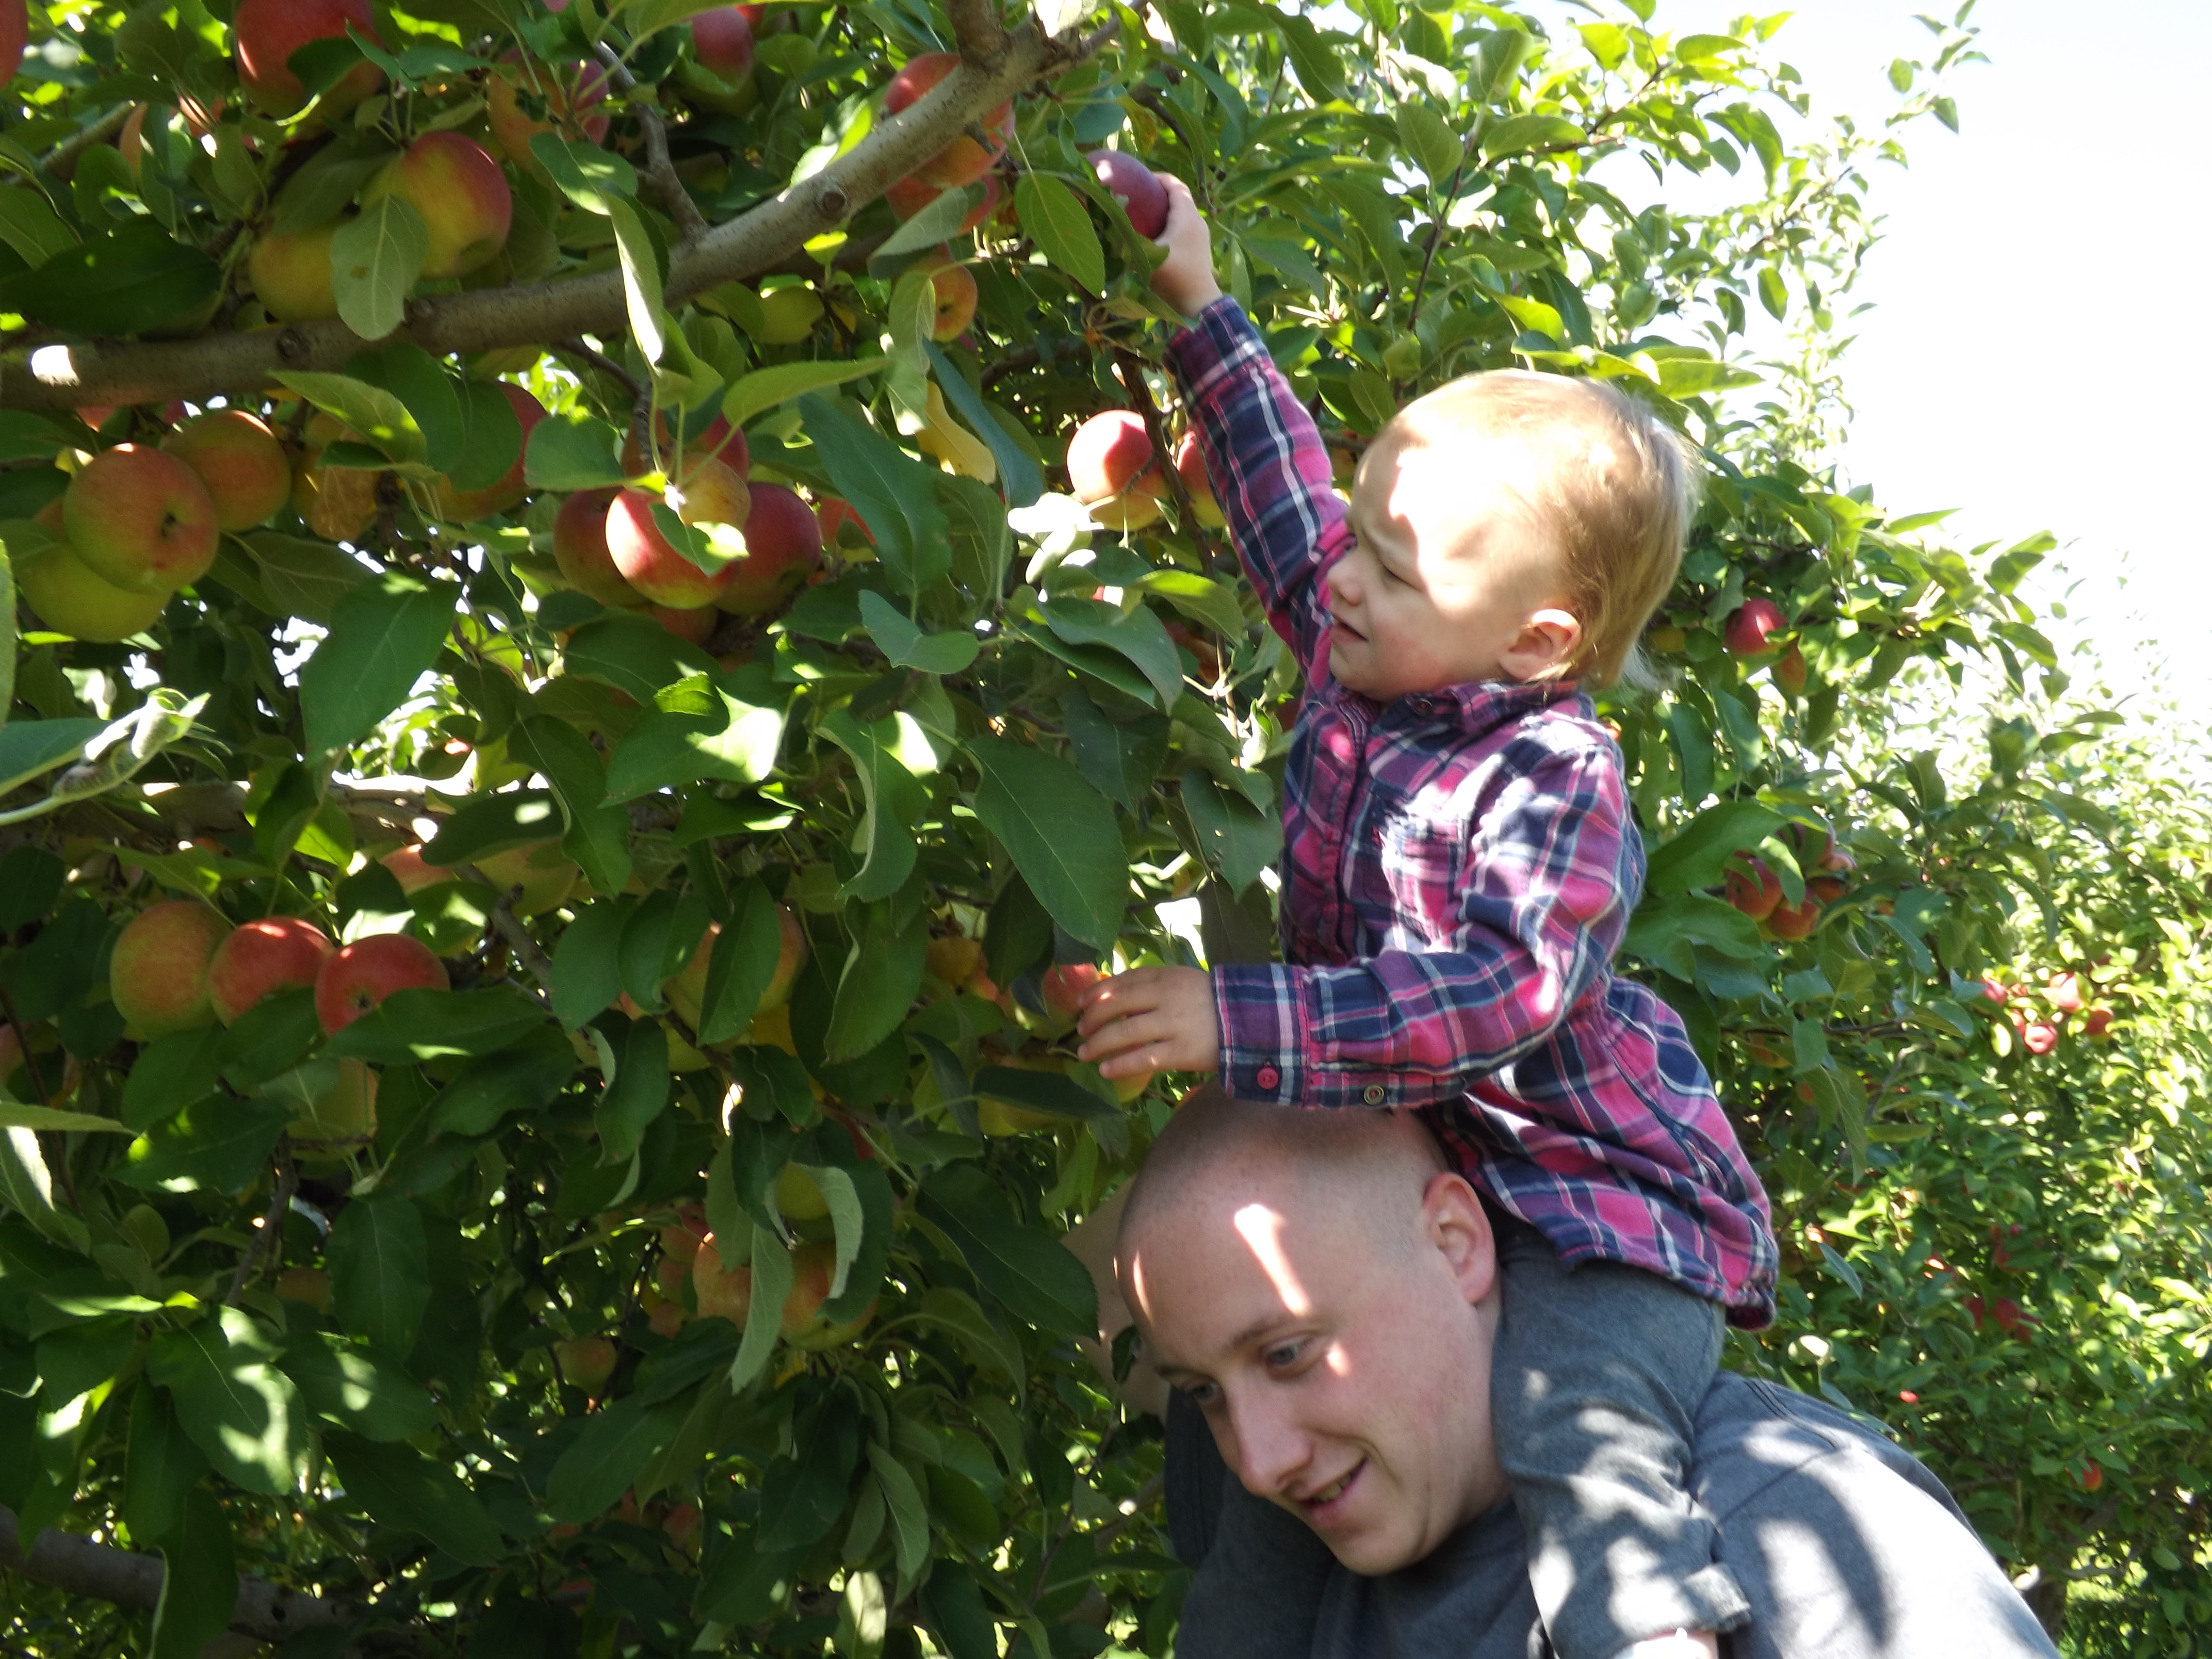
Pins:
x: 1317, y: 1504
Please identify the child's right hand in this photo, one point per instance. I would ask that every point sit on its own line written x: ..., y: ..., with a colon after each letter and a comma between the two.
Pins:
x: 1185, y: 278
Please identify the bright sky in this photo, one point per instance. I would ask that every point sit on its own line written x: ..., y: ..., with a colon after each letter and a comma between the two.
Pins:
x: 2010, y: 369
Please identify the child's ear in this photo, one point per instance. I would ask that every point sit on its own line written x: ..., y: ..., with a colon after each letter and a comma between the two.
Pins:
x: 1548, y: 639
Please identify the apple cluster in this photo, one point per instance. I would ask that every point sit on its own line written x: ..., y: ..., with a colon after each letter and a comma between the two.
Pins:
x: 1752, y: 886
x: 2039, y: 1017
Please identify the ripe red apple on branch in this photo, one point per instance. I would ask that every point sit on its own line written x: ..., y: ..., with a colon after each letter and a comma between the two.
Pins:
x: 270, y: 31
x: 1135, y: 187
x: 1751, y: 624
x: 259, y: 958
x: 354, y: 981
x: 963, y: 161
x: 1112, y: 471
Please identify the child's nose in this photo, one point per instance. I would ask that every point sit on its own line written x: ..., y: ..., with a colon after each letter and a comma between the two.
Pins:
x: 1343, y: 585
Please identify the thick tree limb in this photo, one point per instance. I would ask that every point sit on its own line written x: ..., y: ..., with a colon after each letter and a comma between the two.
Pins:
x: 264, y: 1613
x: 66, y: 377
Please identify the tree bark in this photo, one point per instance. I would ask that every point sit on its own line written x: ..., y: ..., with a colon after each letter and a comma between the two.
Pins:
x: 264, y: 1613
x: 62, y: 376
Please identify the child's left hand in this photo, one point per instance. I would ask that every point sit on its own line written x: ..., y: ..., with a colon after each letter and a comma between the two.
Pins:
x: 1151, y: 1019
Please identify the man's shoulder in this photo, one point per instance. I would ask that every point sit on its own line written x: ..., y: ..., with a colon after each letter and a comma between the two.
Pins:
x: 1751, y: 1432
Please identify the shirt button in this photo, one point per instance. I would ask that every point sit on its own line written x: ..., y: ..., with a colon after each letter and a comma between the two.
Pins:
x: 1373, y: 1094
x: 1266, y: 1077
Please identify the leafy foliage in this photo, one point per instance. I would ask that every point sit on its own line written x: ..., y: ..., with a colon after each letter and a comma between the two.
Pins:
x: 747, y: 913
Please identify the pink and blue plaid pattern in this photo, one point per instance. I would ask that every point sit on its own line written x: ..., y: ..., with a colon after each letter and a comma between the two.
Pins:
x: 1458, y: 871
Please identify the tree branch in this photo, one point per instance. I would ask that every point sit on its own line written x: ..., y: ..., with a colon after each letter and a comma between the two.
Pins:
x: 265, y: 1612
x: 659, y: 169
x: 59, y: 376
x: 61, y: 160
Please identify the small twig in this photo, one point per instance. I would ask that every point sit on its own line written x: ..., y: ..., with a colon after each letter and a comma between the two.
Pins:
x: 1030, y: 356
x: 23, y: 1043
x: 518, y: 937
x: 272, y: 1226
x: 61, y: 160
x: 659, y: 169
x: 1140, y: 400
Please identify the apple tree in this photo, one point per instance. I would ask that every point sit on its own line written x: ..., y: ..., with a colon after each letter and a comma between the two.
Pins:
x: 605, y: 628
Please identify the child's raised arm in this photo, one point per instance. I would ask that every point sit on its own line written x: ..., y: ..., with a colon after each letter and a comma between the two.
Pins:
x: 1264, y: 456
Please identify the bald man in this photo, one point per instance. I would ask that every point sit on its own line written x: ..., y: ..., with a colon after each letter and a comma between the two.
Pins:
x: 1327, y: 1294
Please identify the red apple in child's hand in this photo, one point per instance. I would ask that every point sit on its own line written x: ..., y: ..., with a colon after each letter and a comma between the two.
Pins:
x: 1133, y: 185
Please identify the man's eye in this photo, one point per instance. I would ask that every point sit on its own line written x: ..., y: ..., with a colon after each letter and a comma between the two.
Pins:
x: 1201, y: 1393
x: 1284, y: 1355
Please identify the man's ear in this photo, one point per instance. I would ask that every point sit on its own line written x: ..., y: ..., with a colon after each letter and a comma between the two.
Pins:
x: 1548, y: 638
x: 1456, y: 1226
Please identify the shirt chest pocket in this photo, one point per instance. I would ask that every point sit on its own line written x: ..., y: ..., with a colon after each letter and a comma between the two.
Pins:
x: 1408, y: 887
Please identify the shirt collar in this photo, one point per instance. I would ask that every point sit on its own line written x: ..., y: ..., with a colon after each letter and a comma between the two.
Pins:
x: 1482, y: 705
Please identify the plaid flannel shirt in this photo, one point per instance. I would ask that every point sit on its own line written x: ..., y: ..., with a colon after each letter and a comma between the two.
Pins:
x: 1458, y: 870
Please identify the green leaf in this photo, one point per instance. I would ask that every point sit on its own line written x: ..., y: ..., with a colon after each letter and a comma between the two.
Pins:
x: 270, y: 1037
x: 1199, y: 597
x: 572, y: 452
x: 1697, y: 855
x: 29, y: 748
x: 242, y: 1411
x: 701, y: 728
x: 163, y: 1466
x: 15, y: 1115
x: 894, y: 801
x: 1019, y: 475
x: 802, y: 1493
x: 772, y: 1276
x: 742, y: 963
x: 587, y: 973
x: 909, y: 1514
x: 608, y: 1455
x: 1137, y: 634
x: 385, y: 635
x: 598, y: 836
x: 894, y: 493
x: 357, y: 1387
x: 398, y: 1487
x: 1433, y: 145
x: 1772, y: 294
x: 376, y: 257
x: 1517, y: 135
x: 957, y: 1614
x: 1054, y: 219
x: 641, y: 280
x: 594, y: 179
x: 379, y: 1264
x: 765, y: 388
x: 1061, y: 833
x: 32, y: 228
x: 215, y: 1144
x: 907, y: 646
x: 1122, y: 756
x: 1237, y: 838
x: 492, y: 823
x: 1040, y: 1282
x: 881, y: 979
x: 1055, y: 1094
x: 376, y: 416
x: 524, y: 1078
x: 122, y: 281
x: 638, y: 1094
x: 937, y: 223
x: 428, y: 1023
x: 199, y: 1580
x: 633, y: 654
x: 303, y: 578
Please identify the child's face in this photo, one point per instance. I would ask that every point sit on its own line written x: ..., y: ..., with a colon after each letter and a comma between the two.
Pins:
x: 1451, y: 578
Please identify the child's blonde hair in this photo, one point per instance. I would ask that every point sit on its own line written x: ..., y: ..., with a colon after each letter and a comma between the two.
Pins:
x: 1615, y: 485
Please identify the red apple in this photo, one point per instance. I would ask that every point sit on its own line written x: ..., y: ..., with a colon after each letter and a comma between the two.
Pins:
x: 260, y: 958
x: 2066, y: 993
x: 1063, y: 987
x: 15, y: 35
x: 833, y: 514
x: 910, y: 195
x: 783, y: 548
x: 1135, y: 187
x: 1190, y: 465
x: 1795, y: 922
x: 2038, y: 1036
x: 412, y: 872
x: 1997, y: 991
x: 468, y: 506
x: 708, y: 492
x: 157, y: 977
x: 356, y: 978
x: 650, y: 564
x: 579, y: 548
x: 463, y: 197
x: 954, y: 287
x: 141, y: 519
x: 1752, y: 887
x: 722, y: 40
x: 1749, y: 625
x: 694, y: 627
x: 268, y: 32
x: 721, y: 1292
x: 963, y: 161
x: 245, y: 470
x: 1113, y: 471
x: 2097, y: 1023
x: 569, y: 98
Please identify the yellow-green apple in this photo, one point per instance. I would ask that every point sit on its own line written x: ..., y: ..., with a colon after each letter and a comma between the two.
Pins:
x: 1113, y: 471
x: 467, y: 506
x: 798, y: 1196
x: 910, y: 195
x: 158, y: 975
x: 309, y: 1284
x: 268, y: 32
x: 813, y: 1271
x: 261, y: 957
x: 524, y: 100
x: 709, y: 492
x: 679, y: 1243
x: 1795, y: 922
x: 141, y: 519
x: 338, y: 502
x: 1749, y: 626
x: 953, y: 288
x: 787, y: 315
x: 15, y: 35
x: 412, y: 872
x: 696, y: 627
x: 1190, y: 466
x: 783, y: 548
x: 238, y: 461
x: 1752, y: 887
x: 579, y: 549
x: 356, y: 978
x: 1135, y: 187
x: 963, y: 161
x: 463, y: 197
x: 1790, y: 673
x: 586, y: 1362
x: 342, y: 1117
x: 833, y: 514
x: 955, y: 959
x: 546, y: 874
x: 71, y: 600
x: 722, y: 40
x: 647, y: 560
x: 290, y: 270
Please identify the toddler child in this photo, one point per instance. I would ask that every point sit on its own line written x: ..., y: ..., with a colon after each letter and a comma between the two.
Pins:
x: 1459, y: 865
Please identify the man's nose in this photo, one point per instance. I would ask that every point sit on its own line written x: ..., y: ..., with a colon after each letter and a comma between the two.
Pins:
x: 1270, y: 1450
